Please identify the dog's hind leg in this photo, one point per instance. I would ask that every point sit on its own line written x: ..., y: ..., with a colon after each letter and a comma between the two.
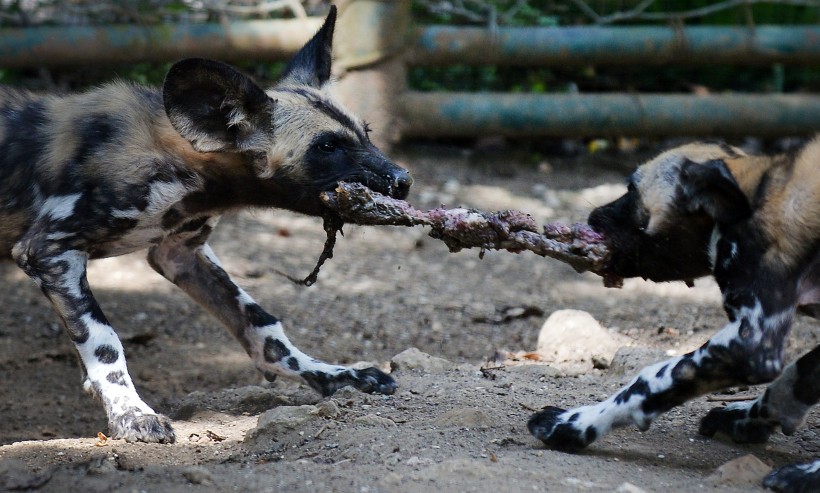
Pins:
x: 783, y: 405
x: 188, y: 262
x: 61, y: 274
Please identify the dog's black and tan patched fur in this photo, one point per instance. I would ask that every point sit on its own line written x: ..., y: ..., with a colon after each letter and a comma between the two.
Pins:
x: 123, y: 167
x: 754, y: 223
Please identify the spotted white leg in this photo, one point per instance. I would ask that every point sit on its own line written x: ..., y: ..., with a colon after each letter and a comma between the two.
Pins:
x: 190, y: 263
x: 62, y: 277
x: 747, y: 350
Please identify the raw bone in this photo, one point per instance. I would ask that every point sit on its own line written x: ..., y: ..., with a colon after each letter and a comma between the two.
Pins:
x: 577, y: 245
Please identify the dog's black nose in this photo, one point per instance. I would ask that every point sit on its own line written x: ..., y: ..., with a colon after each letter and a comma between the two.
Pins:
x: 402, y: 181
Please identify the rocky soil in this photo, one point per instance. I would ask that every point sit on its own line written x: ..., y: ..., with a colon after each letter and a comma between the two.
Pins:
x: 460, y: 335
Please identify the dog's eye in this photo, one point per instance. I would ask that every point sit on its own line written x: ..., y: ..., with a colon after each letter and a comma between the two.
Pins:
x: 328, y: 146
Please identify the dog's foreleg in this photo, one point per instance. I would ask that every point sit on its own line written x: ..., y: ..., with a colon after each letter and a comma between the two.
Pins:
x: 196, y: 270
x: 747, y: 350
x: 62, y: 277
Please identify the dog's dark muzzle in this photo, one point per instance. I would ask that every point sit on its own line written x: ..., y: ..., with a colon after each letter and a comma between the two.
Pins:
x: 387, y: 179
x: 401, y: 183
x: 679, y: 253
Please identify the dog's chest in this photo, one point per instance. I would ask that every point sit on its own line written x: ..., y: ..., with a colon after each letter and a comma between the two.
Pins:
x: 107, y: 227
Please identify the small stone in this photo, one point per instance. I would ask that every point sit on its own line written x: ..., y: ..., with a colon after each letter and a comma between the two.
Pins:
x: 413, y: 359
x: 600, y: 362
x: 283, y: 418
x: 465, y: 417
x: 328, y: 409
x: 100, y: 464
x: 15, y: 475
x: 572, y: 336
x: 629, y: 360
x: 745, y: 470
x: 415, y: 461
x: 197, y: 475
x: 627, y: 487
x: 374, y: 420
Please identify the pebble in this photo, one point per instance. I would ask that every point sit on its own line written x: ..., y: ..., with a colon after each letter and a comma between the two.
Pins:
x: 574, y: 336
x: 745, y: 470
x: 627, y: 487
x: 283, y: 418
x: 15, y: 475
x: 373, y: 420
x: 413, y: 359
x: 629, y: 360
x: 328, y: 409
x: 197, y: 475
x: 464, y: 418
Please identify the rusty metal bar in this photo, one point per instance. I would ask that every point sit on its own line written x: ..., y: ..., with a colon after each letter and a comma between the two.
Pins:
x: 445, y: 45
x: 526, y: 115
x: 71, y: 45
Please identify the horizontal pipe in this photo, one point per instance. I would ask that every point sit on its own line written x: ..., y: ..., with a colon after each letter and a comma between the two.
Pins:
x: 528, y: 115
x: 70, y: 45
x: 445, y: 45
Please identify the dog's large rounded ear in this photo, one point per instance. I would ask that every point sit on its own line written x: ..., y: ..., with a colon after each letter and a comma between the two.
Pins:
x: 217, y: 108
x: 711, y: 188
x: 311, y: 65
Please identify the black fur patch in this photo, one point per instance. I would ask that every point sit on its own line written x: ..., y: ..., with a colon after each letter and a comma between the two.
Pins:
x: 275, y: 350
x: 116, y: 377
x: 807, y: 386
x: 106, y: 354
x: 24, y: 142
x: 259, y: 317
x: 96, y: 131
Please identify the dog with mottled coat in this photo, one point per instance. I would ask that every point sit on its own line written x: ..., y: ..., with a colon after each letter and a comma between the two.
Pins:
x: 752, y: 222
x: 124, y: 167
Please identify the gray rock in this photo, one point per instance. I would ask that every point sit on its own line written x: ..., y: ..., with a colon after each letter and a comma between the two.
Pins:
x: 630, y: 360
x: 627, y: 487
x: 374, y: 420
x: 197, y: 475
x: 573, y: 336
x: 15, y: 475
x: 745, y: 470
x: 250, y: 399
x: 413, y: 359
x: 282, y: 420
x: 465, y: 417
x: 328, y: 409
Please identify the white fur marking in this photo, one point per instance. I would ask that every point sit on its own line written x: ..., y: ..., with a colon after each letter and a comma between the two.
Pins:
x: 59, y: 207
x: 76, y: 262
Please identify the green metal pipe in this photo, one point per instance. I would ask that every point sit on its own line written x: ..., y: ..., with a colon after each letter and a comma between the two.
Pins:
x: 527, y: 115
x: 445, y: 45
x: 70, y: 45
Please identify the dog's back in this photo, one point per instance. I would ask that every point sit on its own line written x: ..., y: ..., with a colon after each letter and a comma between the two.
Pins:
x: 112, y: 146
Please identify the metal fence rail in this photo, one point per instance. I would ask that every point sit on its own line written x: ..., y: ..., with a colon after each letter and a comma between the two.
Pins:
x: 446, y: 45
x: 530, y: 115
x: 376, y: 42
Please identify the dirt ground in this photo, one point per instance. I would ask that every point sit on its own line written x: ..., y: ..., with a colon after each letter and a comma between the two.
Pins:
x: 449, y: 427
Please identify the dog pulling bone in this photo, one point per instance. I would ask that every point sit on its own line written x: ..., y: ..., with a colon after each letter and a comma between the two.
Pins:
x: 577, y: 245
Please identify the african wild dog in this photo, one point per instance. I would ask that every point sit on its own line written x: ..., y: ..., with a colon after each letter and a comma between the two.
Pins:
x: 753, y: 222
x: 123, y: 167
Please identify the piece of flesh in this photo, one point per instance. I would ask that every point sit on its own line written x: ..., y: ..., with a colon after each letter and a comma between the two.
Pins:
x: 577, y: 245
